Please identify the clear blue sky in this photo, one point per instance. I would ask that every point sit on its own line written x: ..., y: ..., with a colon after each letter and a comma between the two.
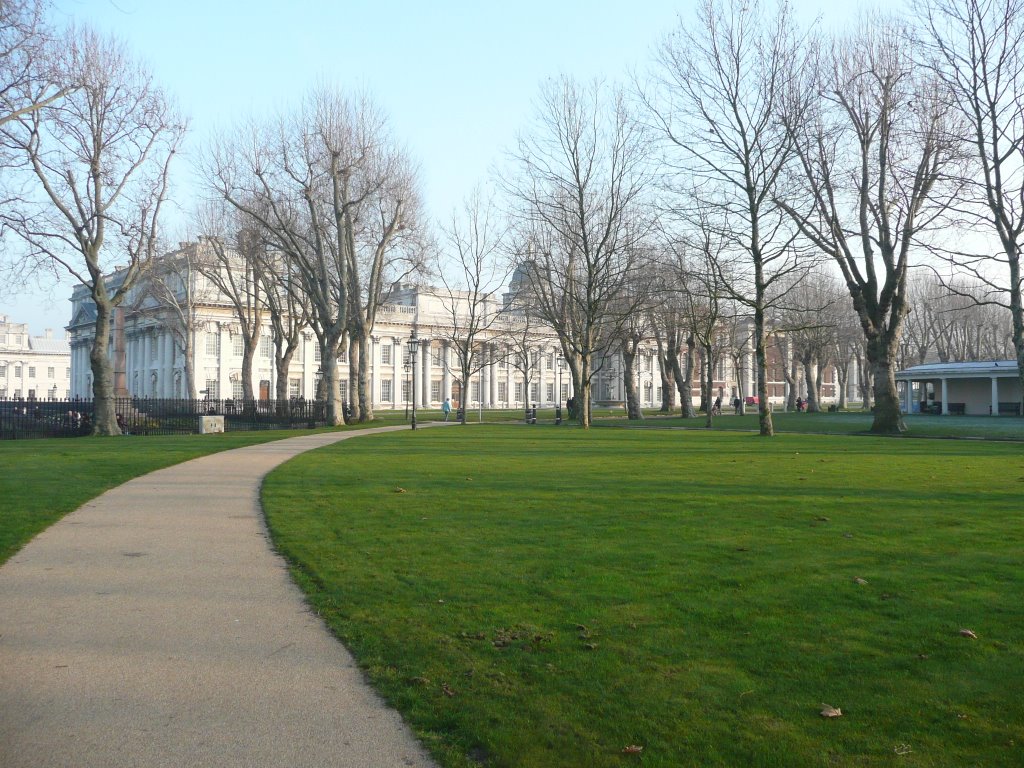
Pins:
x: 457, y: 78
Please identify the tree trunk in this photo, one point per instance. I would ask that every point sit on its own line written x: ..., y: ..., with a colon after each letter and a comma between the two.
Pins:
x: 1017, y: 318
x: 354, y: 356
x: 842, y: 381
x: 709, y: 371
x: 633, y: 412
x: 365, y: 385
x: 685, y: 381
x: 764, y: 410
x: 813, y: 404
x: 104, y: 420
x: 282, y: 363
x: 188, y: 364
x: 881, y: 352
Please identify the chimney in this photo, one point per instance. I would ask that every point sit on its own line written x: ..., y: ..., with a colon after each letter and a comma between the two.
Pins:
x: 48, y: 333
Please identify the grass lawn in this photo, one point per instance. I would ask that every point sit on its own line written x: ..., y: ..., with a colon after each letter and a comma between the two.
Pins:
x: 43, y: 480
x: 532, y: 596
x: 998, y: 427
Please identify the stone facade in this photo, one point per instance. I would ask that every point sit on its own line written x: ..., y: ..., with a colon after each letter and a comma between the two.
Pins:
x: 33, y: 367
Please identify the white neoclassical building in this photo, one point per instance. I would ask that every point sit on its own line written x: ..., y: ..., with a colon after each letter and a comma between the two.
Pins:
x: 520, y: 366
x: 33, y: 367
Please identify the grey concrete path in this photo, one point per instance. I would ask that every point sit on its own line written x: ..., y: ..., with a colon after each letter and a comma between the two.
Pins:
x: 155, y: 627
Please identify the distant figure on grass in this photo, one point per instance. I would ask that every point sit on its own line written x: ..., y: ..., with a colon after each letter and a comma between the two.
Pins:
x: 716, y: 409
x: 737, y: 404
x: 446, y: 409
x: 799, y: 405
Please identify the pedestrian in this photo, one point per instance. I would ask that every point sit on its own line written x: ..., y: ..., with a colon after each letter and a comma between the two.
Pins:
x: 716, y: 409
x: 799, y: 405
x: 446, y: 409
x: 736, y: 405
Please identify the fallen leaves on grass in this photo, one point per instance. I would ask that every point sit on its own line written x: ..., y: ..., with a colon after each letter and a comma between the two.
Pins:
x: 447, y: 690
x: 902, y: 749
x: 632, y: 749
x: 968, y: 633
x: 399, y: 489
x: 859, y: 580
x: 830, y: 711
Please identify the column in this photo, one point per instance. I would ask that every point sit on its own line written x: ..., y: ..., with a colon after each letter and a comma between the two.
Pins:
x: 995, y: 396
x: 446, y: 372
x: 425, y: 372
x: 397, y: 370
x: 945, y: 397
x: 908, y: 397
x: 493, y: 374
x: 371, y: 352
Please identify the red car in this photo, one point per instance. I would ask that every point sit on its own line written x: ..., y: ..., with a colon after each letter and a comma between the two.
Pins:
x: 752, y: 400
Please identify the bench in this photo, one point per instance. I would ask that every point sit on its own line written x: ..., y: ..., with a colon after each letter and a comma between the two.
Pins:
x: 1009, y: 409
x: 957, y: 409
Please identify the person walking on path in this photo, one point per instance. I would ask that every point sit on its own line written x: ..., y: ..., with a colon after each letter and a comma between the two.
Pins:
x: 446, y: 409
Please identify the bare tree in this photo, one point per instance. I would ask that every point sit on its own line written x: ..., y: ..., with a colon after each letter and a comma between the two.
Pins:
x: 973, y: 46
x: 387, y: 242
x: 29, y: 76
x: 98, y: 164
x: 876, y: 159
x: 577, y: 191
x: 314, y: 185
x: 231, y: 259
x: 172, y: 285
x: 718, y: 103
x: 473, y: 271
x: 288, y: 310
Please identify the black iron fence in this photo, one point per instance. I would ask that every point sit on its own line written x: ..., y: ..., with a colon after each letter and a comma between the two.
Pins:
x: 24, y: 419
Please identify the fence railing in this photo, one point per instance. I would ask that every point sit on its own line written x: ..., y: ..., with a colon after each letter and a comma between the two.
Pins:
x: 24, y: 419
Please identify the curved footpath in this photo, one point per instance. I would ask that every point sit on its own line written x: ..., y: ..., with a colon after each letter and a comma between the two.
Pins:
x: 155, y: 626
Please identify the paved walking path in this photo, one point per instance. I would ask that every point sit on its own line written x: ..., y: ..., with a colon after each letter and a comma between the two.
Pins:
x: 156, y: 627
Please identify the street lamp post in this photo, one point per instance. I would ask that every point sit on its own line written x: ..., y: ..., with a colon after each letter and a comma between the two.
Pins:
x: 413, y: 345
x: 408, y: 388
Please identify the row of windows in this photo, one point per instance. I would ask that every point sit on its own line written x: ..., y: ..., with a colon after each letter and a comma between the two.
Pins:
x: 32, y: 394
x: 17, y: 368
x: 387, y: 391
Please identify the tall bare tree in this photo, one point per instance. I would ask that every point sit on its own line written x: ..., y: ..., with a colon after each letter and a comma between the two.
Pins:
x: 472, y: 270
x: 974, y: 47
x: 172, y: 285
x: 313, y: 185
x: 231, y: 259
x: 97, y: 163
x: 718, y: 104
x: 877, y: 164
x: 577, y: 190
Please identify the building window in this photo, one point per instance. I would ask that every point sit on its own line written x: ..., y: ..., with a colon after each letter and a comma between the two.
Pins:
x: 385, y: 388
x: 68, y: 373
x: 550, y: 361
x: 565, y: 391
x: 237, y: 390
x: 237, y: 345
x: 343, y: 388
x: 3, y: 370
x: 535, y: 391
x: 475, y: 389
x: 265, y: 346
x: 503, y: 363
x: 551, y: 392
x: 502, y: 391
x: 519, y: 391
x: 31, y: 371
x: 405, y: 390
x: 317, y: 354
x: 17, y: 371
x: 294, y: 387
x: 343, y: 355
x: 213, y: 389
x: 385, y: 357
x: 435, y: 355
x: 435, y: 391
x: 213, y: 343
x: 50, y: 373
